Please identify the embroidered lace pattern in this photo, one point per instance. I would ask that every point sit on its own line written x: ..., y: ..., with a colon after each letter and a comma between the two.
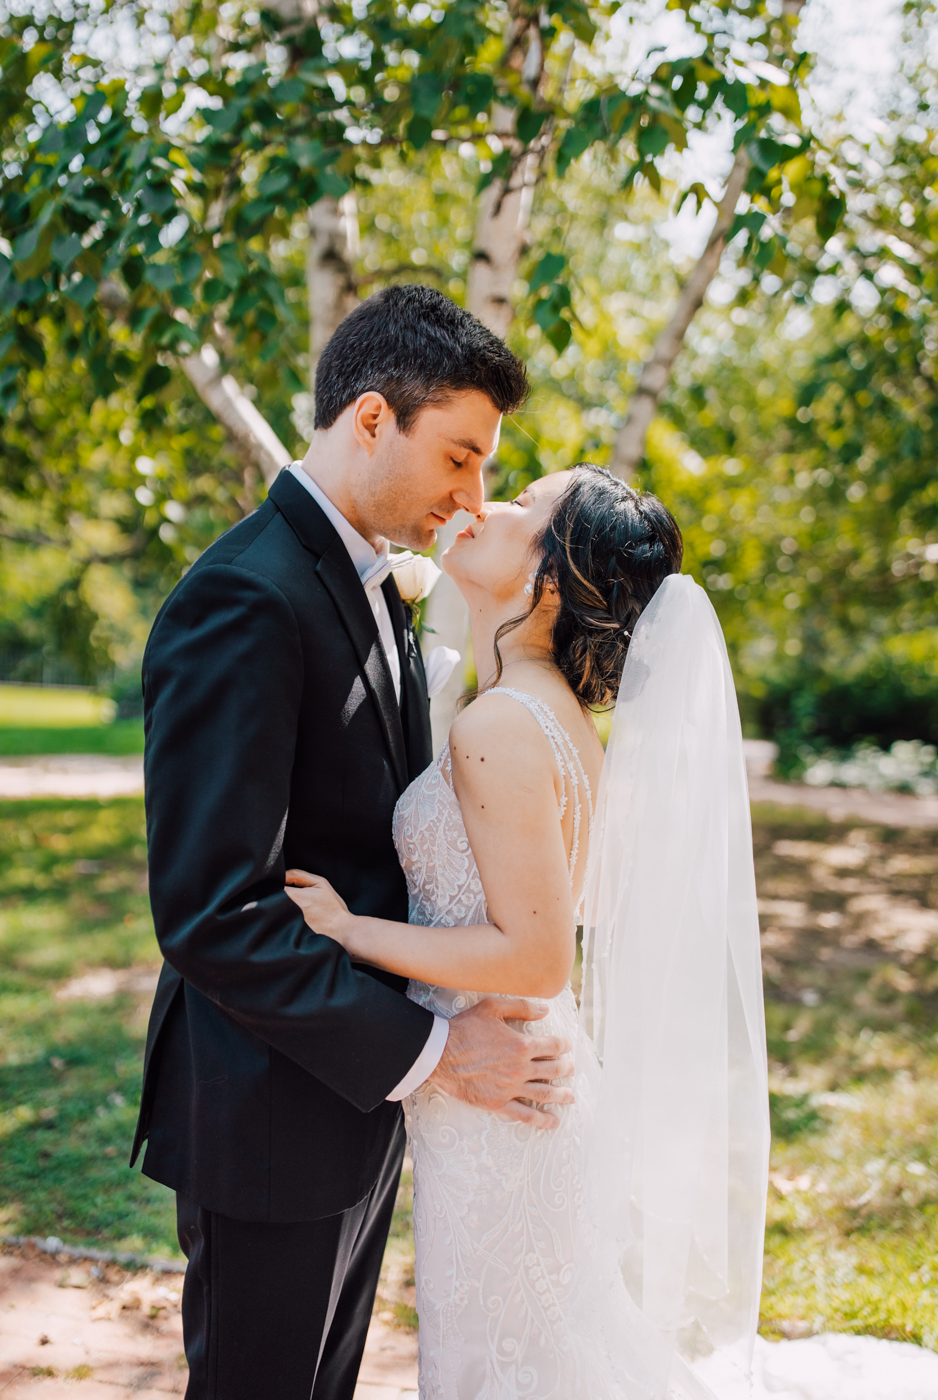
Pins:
x: 496, y: 1203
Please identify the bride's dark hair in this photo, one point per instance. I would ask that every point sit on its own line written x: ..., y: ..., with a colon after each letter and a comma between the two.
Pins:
x: 606, y: 550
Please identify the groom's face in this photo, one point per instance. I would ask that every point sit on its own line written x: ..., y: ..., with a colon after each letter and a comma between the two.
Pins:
x: 417, y: 481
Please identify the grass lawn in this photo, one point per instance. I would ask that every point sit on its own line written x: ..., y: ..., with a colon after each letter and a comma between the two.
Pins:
x: 850, y: 926
x: 36, y: 719
x: 72, y: 900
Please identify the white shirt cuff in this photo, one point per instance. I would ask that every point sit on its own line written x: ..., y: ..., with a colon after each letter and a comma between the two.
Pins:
x: 426, y: 1061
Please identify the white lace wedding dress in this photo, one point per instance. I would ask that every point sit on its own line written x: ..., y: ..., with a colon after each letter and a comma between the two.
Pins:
x: 497, y: 1204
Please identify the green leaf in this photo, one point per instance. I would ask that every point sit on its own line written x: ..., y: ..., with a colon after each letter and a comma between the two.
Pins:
x: 190, y: 266
x: 305, y: 152
x: 151, y: 100
x: 559, y: 335
x: 333, y: 185
x: 419, y: 130
x: 652, y: 140
x: 528, y: 123
x: 735, y: 97
x: 31, y: 346
x: 290, y: 91
x: 157, y: 199
x: 476, y: 90
x: 831, y: 210
x: 66, y: 250
x: 767, y: 153
x: 426, y: 95
x: 155, y: 379
x: 253, y: 214
x: 214, y: 290
x: 25, y: 245
x: 550, y: 266
x: 273, y: 183
x: 575, y: 141
x: 94, y: 103
x: 82, y: 292
x: 160, y: 275
x: 141, y: 316
x: 232, y: 267
x: 222, y: 119
x: 52, y: 141
x: 132, y: 270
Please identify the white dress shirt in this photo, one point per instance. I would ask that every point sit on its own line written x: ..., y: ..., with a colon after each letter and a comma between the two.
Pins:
x: 371, y: 568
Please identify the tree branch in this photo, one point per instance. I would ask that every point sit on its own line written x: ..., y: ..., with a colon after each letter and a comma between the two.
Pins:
x: 656, y: 372
x: 252, y: 435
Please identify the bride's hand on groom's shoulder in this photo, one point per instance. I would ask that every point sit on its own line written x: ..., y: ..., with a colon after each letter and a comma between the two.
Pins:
x: 324, y: 910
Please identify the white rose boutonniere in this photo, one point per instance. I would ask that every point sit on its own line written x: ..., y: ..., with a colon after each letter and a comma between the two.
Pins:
x: 415, y: 576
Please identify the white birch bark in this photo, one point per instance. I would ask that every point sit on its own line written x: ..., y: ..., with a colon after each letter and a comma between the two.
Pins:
x: 254, y: 438
x: 500, y: 237
x: 630, y: 440
x: 330, y: 278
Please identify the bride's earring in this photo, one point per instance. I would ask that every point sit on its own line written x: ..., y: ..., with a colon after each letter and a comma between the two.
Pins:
x: 529, y: 587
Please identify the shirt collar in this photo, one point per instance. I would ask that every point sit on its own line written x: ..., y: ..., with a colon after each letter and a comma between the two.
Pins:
x: 368, y: 562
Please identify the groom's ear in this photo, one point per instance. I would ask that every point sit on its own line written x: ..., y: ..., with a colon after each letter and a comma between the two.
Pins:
x: 372, y: 418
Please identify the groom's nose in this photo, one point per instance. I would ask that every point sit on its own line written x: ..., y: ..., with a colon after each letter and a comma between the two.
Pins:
x: 470, y: 493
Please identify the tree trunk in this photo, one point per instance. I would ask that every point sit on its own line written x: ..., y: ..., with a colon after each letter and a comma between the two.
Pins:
x: 500, y: 236
x: 330, y: 277
x: 630, y: 441
x: 256, y: 442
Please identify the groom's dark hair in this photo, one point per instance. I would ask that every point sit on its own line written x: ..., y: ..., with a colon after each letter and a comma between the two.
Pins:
x: 416, y: 347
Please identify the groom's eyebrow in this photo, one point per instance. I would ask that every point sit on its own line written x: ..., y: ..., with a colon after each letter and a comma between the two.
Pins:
x: 469, y: 446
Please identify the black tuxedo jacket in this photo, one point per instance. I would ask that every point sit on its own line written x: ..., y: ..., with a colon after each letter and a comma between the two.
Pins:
x: 274, y: 739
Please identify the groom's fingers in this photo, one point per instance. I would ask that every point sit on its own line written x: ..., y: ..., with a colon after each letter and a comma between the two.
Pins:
x: 518, y: 1112
x: 560, y: 1067
x: 548, y: 1093
x: 547, y: 1047
x: 518, y: 1008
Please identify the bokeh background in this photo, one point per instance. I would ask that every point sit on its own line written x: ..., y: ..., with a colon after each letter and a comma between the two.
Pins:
x: 209, y: 203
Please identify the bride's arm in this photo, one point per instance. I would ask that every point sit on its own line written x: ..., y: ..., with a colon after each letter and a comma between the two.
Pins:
x: 506, y: 780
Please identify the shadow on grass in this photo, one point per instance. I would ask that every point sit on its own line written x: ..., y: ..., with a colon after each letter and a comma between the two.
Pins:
x: 66, y: 1127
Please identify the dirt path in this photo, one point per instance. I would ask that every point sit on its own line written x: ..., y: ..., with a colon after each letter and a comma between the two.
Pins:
x: 71, y: 775
x: 120, y: 1335
x: 103, y: 776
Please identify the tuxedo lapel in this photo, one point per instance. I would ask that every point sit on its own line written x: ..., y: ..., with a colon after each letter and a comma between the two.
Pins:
x: 338, y: 575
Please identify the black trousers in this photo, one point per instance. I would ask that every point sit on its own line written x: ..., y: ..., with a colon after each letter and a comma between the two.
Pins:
x: 280, y: 1312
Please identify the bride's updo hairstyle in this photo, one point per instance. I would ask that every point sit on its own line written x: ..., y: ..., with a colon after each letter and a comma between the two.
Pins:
x: 606, y: 549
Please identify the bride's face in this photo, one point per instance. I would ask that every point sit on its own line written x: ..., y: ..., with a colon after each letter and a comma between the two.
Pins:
x: 497, y: 551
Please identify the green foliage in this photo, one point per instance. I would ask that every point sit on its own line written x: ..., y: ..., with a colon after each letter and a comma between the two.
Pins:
x: 98, y: 514
x: 141, y: 214
x: 73, y: 898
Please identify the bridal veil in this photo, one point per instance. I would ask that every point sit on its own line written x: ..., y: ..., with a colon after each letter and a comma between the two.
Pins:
x: 672, y: 1060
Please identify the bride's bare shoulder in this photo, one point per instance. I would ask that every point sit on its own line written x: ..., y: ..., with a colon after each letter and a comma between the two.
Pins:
x: 496, y: 724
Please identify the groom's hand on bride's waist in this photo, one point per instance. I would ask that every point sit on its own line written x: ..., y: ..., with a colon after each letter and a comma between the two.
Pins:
x: 491, y: 1065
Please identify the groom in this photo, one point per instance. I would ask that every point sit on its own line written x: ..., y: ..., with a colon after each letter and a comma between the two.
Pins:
x: 286, y: 711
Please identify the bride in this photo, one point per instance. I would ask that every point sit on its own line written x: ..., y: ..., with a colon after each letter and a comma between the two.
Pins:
x: 616, y: 1256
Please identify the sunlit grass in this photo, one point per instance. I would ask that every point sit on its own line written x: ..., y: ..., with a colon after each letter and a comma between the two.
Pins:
x: 121, y: 737
x: 46, y: 707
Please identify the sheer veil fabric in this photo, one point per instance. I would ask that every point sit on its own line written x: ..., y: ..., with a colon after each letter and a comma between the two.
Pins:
x: 671, y: 1061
